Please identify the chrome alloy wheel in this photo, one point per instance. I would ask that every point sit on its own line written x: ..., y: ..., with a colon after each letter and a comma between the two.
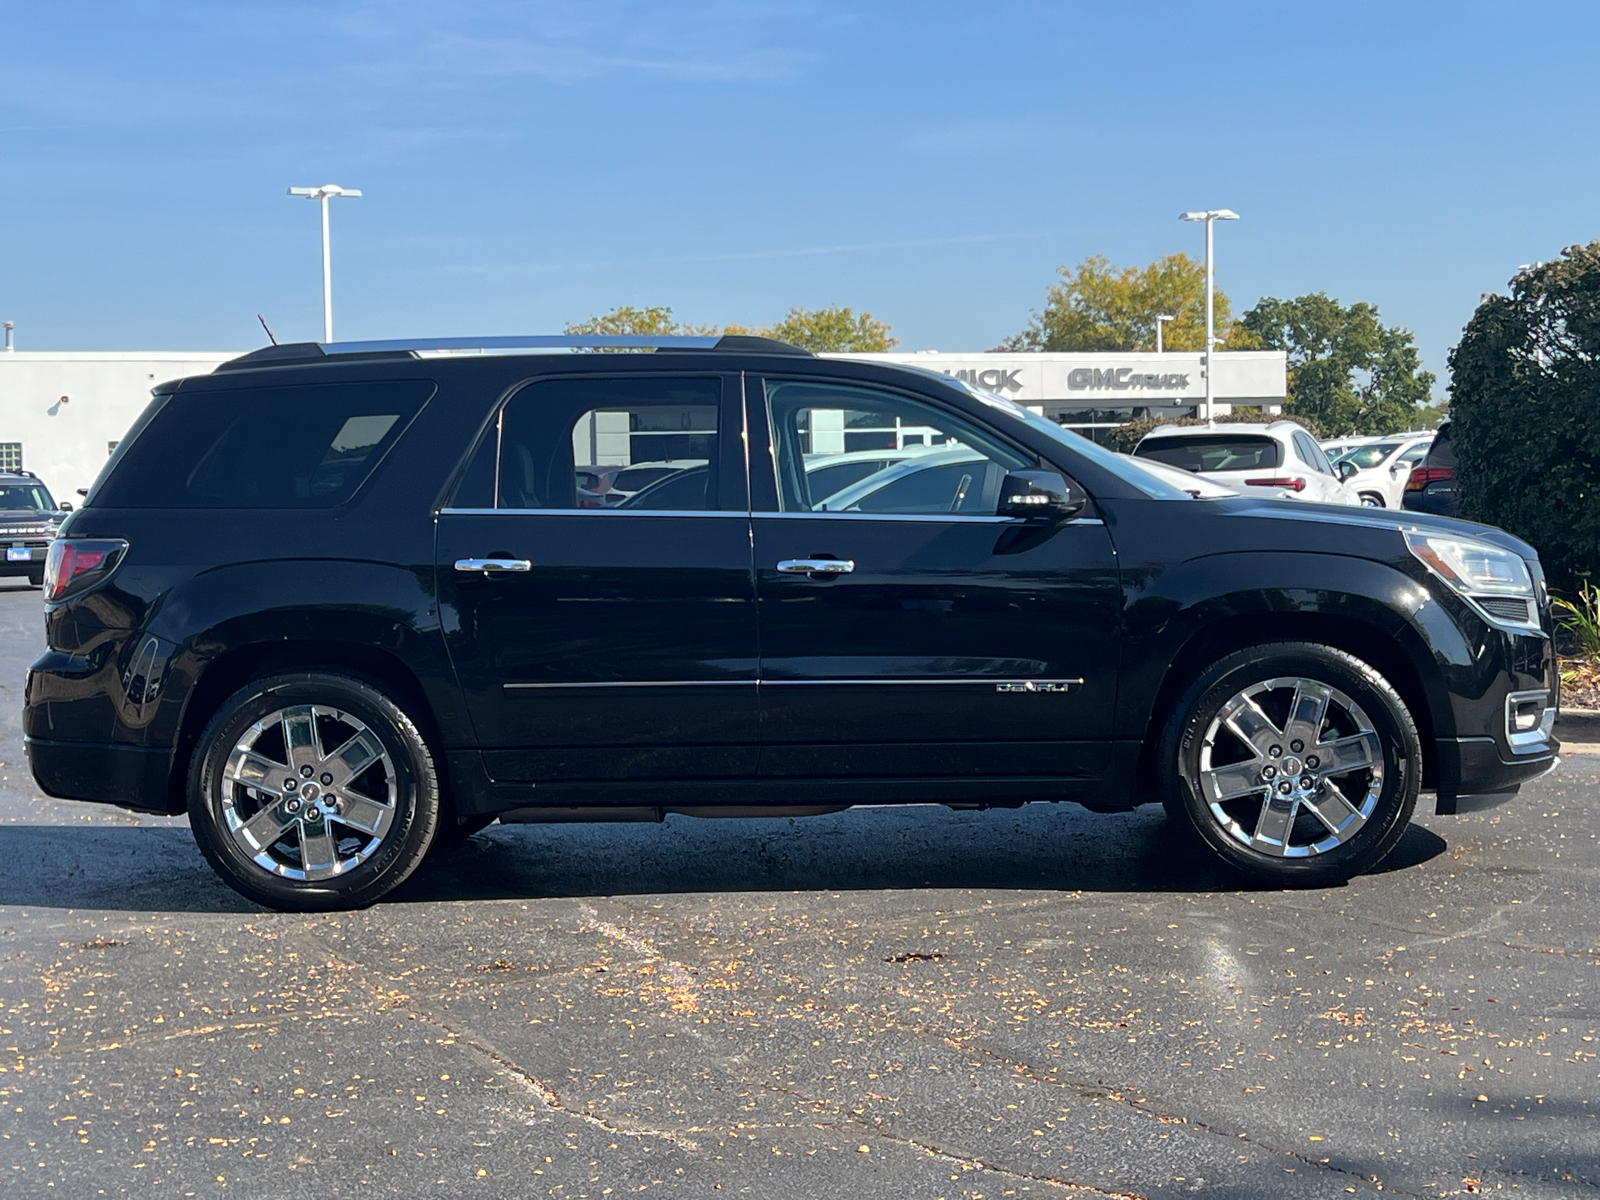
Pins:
x: 302, y: 812
x: 1291, y: 768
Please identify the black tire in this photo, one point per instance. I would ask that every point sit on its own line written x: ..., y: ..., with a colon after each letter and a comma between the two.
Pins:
x: 1395, y: 779
x: 409, y: 789
x: 1372, y: 500
x: 36, y: 578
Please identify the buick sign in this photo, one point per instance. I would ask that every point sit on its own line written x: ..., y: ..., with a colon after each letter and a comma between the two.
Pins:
x: 1121, y: 379
x: 994, y: 380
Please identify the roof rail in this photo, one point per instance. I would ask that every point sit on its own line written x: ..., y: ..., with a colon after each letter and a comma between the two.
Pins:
x: 304, y: 352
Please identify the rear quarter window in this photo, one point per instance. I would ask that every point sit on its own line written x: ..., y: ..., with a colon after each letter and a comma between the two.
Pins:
x: 1213, y: 452
x: 310, y: 446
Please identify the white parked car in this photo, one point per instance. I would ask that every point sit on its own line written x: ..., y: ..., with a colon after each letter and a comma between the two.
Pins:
x: 1280, y: 459
x: 1337, y: 448
x: 1382, y: 467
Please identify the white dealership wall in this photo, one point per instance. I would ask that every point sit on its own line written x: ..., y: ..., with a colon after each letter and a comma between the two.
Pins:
x: 65, y: 408
x: 1068, y: 387
x: 65, y: 441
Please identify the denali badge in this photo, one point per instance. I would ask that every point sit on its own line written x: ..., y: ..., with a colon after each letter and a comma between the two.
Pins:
x: 1037, y: 685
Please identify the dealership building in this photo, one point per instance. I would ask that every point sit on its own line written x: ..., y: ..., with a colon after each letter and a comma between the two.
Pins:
x: 1091, y: 393
x: 61, y: 413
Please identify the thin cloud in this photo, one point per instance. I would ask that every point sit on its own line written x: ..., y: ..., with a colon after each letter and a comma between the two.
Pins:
x: 742, y: 255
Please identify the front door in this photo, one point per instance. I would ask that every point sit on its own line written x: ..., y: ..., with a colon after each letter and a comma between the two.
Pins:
x: 602, y: 631
x: 906, y: 629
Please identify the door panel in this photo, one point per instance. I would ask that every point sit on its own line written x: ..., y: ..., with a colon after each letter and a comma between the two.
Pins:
x: 626, y: 645
x: 956, y: 643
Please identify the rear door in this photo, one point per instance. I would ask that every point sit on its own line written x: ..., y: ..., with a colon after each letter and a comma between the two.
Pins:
x: 1323, y: 483
x: 595, y: 641
x: 908, y: 631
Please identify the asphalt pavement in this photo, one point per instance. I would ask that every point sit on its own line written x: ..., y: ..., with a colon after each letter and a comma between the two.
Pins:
x: 904, y: 1002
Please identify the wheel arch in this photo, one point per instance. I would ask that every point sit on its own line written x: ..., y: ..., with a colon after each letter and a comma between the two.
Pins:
x: 1371, y: 643
x: 232, y: 670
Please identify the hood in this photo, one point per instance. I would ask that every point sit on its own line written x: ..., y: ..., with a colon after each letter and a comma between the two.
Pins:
x: 1377, y: 519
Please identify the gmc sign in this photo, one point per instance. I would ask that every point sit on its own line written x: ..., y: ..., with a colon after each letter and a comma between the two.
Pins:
x: 1121, y: 379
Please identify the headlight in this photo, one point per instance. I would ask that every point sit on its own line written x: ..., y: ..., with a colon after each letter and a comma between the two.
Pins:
x: 1496, y: 582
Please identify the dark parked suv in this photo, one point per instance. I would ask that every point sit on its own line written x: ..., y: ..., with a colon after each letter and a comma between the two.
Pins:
x: 341, y: 602
x: 29, y: 518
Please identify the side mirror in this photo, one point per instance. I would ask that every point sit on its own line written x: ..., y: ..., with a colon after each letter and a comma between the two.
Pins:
x: 1039, y: 495
x: 65, y: 506
x: 1346, y: 469
x: 83, y: 491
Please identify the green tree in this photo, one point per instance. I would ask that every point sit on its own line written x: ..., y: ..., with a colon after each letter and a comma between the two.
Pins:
x: 1100, y: 307
x: 1348, y: 372
x: 1524, y: 417
x: 837, y: 329
x: 646, y: 322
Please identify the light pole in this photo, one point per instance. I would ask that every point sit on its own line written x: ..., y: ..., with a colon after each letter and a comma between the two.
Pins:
x: 325, y: 193
x: 1208, y: 216
x: 1160, y: 321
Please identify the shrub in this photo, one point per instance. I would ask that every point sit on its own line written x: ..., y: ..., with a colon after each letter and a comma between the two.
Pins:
x: 1525, y: 408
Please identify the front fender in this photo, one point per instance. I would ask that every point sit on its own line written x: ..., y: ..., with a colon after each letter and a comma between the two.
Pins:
x: 1172, y: 611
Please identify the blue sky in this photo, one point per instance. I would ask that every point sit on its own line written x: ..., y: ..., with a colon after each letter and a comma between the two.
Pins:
x: 526, y: 164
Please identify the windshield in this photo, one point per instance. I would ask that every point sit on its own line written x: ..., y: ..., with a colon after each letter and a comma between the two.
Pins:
x: 1120, y: 465
x: 25, y: 497
x: 1367, y: 457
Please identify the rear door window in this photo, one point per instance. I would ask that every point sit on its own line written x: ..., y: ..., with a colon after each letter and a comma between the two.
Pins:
x: 282, y: 447
x: 640, y: 444
x: 1311, y: 454
x: 1214, y: 452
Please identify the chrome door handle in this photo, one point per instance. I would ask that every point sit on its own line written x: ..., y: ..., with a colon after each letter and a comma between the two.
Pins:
x: 816, y: 566
x: 493, y: 566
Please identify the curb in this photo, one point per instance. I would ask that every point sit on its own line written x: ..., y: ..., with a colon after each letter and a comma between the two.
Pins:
x: 1578, y: 725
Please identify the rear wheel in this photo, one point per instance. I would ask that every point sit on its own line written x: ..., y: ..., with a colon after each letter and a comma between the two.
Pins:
x: 1295, y: 762
x: 1372, y: 500
x: 36, y: 578
x: 313, y: 791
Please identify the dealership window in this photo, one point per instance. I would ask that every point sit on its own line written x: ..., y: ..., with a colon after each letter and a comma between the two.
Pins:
x: 10, y: 456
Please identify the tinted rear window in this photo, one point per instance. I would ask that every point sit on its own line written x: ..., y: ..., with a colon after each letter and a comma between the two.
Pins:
x: 285, y: 447
x: 1214, y: 452
x: 1442, y: 453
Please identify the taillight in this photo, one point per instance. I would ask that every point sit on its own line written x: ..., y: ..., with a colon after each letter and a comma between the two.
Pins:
x: 1293, y: 482
x: 75, y: 563
x: 1421, y: 477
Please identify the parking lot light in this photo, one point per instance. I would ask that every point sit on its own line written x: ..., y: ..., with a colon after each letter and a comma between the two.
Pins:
x: 1208, y: 216
x: 325, y: 193
x: 1161, y: 320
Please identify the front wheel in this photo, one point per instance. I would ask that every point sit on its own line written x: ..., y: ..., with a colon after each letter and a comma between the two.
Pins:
x: 312, y: 791
x: 1295, y: 762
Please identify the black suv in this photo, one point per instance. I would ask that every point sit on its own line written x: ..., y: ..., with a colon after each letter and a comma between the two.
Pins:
x: 341, y: 602
x: 29, y: 518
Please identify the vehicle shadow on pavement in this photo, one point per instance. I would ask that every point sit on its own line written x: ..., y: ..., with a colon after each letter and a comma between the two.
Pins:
x: 112, y: 867
x: 1038, y: 848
